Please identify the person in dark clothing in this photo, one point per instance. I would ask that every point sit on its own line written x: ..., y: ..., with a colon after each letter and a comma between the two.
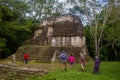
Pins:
x: 26, y: 57
x: 96, y: 65
x: 63, y: 56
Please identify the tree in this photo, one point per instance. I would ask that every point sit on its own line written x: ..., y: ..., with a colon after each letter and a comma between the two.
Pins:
x: 97, y: 16
x: 13, y: 31
x: 101, y: 21
x: 112, y: 32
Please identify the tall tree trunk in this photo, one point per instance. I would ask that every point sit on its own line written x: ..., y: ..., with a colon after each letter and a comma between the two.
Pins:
x: 115, y: 52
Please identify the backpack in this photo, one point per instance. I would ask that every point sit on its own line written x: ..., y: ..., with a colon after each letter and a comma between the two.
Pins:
x: 63, y: 57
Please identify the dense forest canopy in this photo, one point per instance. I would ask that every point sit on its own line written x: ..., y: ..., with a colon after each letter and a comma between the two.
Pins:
x: 19, y: 19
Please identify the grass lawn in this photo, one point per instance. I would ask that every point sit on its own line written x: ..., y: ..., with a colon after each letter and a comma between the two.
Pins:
x: 108, y: 71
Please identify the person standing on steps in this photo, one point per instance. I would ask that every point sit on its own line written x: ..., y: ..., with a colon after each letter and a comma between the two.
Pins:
x: 26, y: 58
x: 63, y: 56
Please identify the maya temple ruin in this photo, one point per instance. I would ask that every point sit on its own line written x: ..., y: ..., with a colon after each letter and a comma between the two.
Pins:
x: 64, y: 32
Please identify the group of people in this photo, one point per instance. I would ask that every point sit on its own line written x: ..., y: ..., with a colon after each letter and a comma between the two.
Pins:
x: 64, y: 58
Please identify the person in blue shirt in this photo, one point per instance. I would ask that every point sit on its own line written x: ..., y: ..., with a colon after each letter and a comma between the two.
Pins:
x: 63, y: 56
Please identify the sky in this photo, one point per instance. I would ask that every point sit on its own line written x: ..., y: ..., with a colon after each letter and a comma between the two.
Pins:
x: 61, y: 0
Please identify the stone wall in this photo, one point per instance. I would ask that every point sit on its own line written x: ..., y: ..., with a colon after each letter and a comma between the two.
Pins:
x: 76, y: 41
x: 58, y: 19
x: 61, y: 18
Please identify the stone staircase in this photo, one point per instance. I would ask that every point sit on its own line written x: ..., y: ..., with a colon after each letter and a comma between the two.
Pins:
x: 45, y: 53
x: 44, y: 59
x: 37, y: 53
